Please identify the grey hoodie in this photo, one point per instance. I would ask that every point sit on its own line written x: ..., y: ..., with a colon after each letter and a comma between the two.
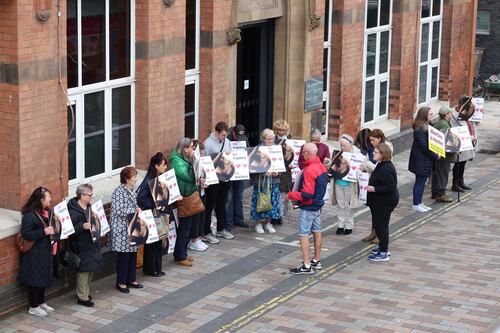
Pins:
x: 213, y: 145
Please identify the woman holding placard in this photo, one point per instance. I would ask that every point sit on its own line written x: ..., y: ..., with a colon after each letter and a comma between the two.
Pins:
x: 152, y: 264
x: 282, y: 131
x: 421, y: 158
x: 123, y: 203
x: 83, y: 243
x: 35, y: 269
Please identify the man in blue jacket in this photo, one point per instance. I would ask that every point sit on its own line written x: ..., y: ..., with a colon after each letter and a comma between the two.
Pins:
x: 312, y: 190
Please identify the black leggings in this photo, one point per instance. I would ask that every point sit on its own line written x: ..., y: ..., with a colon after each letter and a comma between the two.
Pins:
x: 380, y: 221
x: 36, y: 296
x: 458, y: 172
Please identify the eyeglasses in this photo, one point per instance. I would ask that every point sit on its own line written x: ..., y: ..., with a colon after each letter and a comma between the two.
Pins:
x: 88, y: 194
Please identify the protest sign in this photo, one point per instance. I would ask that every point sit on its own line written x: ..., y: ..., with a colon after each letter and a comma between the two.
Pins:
x: 159, y: 192
x: 137, y: 229
x: 147, y: 216
x: 61, y: 216
x: 363, y: 178
x: 172, y: 237
x: 239, y: 145
x: 296, y: 145
x: 208, y: 170
x: 224, y: 166
x: 240, y: 162
x: 277, y: 160
x: 259, y: 160
x: 99, y: 214
x: 169, y: 178
x: 295, y: 172
x: 460, y: 134
x: 436, y: 141
x: 354, y: 161
x: 162, y: 221
x: 477, y: 116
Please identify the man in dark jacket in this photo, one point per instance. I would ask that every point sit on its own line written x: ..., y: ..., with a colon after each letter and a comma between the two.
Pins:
x: 312, y: 191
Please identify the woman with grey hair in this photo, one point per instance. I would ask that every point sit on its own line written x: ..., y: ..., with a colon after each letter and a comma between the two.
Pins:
x: 323, y: 150
x: 84, y: 242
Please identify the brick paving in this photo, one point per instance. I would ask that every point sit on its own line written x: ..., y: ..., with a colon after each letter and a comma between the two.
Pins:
x: 443, y: 276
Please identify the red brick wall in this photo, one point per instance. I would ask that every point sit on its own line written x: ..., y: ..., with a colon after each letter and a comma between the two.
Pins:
x: 9, y: 261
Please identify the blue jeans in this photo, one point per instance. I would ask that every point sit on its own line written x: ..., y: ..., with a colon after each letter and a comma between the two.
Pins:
x: 234, y: 204
x: 182, y: 241
x: 418, y: 189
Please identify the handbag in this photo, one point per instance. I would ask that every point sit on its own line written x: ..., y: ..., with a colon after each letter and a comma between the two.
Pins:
x: 264, y: 198
x: 25, y: 245
x: 71, y: 259
x: 191, y: 205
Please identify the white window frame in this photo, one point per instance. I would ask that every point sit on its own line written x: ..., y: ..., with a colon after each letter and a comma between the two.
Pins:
x: 192, y: 76
x: 431, y: 63
x: 77, y: 94
x: 327, y: 45
x: 378, y: 78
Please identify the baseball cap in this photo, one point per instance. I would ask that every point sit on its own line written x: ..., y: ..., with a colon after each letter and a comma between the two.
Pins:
x: 444, y: 110
x: 239, y: 132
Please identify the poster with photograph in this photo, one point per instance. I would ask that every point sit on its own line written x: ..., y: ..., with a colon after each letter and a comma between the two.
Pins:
x: 208, y: 170
x: 463, y: 135
x: 169, y: 178
x: 99, y: 214
x: 296, y: 145
x: 240, y: 162
x: 436, y: 141
x: 172, y: 237
x: 198, y: 172
x: 355, y: 161
x: 149, y: 219
x: 363, y: 178
x: 277, y: 159
x: 224, y: 166
x: 61, y: 216
x: 137, y: 229
x: 159, y: 192
x: 479, y: 107
x: 239, y: 145
x: 162, y: 221
x: 259, y: 160
x: 287, y: 150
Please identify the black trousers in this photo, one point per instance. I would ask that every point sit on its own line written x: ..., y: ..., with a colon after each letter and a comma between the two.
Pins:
x: 125, y: 267
x: 198, y: 222
x: 152, y: 258
x: 36, y: 296
x: 440, y: 174
x: 458, y: 172
x: 380, y: 221
x: 216, y: 196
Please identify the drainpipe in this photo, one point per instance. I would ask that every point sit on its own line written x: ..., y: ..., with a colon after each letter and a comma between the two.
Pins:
x: 470, y: 80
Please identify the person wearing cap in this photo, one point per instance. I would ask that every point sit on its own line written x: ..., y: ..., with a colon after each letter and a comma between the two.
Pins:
x: 234, y: 202
x: 442, y: 166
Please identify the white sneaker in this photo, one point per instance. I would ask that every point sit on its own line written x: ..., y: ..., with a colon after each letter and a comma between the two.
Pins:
x: 426, y: 207
x: 225, y: 234
x: 47, y: 308
x: 419, y: 208
x: 269, y: 228
x: 211, y: 239
x: 198, y: 246
x: 38, y: 311
x: 259, y: 229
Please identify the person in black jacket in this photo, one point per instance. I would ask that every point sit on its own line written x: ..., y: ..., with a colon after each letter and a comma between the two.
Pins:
x: 382, y: 198
x: 152, y: 264
x: 421, y: 158
x: 36, y: 264
x: 84, y: 242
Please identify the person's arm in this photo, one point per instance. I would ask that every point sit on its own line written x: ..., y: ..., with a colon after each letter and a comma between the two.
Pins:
x: 182, y: 171
x: 29, y: 228
x: 307, y: 191
x: 116, y: 208
x: 422, y: 142
x: 77, y: 223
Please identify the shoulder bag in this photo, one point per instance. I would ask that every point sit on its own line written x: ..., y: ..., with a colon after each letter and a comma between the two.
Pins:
x: 191, y: 205
x: 25, y: 245
x: 264, y: 203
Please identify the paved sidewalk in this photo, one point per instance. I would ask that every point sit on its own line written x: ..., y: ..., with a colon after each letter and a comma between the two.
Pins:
x: 444, y: 275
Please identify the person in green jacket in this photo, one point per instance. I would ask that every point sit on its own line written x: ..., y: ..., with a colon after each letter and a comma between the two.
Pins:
x: 442, y: 166
x: 180, y: 162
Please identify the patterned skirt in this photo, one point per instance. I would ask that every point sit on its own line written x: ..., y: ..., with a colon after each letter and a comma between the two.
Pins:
x: 274, y: 213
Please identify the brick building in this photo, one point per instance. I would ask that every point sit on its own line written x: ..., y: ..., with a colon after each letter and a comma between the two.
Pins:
x: 128, y: 78
x: 488, y: 36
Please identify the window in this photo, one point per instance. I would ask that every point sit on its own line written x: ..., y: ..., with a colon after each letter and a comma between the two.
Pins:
x: 327, y: 58
x: 483, y: 22
x: 192, y: 69
x: 430, y: 48
x: 378, y: 34
x: 100, y: 75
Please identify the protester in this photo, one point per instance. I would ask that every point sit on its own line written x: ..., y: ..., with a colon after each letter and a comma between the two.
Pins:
x: 312, y: 190
x: 458, y: 184
x: 261, y: 182
x: 123, y: 203
x: 364, y: 144
x: 344, y: 193
x: 152, y: 262
x: 323, y: 150
x: 421, y: 158
x: 84, y: 243
x: 282, y: 131
x: 234, y: 201
x: 216, y: 194
x: 382, y: 197
x: 35, y: 268
x: 181, y: 162
x: 442, y: 166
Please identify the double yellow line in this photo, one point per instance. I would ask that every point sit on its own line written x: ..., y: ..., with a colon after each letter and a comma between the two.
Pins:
x: 326, y: 272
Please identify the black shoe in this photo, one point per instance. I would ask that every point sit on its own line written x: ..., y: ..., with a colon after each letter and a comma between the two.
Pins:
x: 302, y: 270
x: 242, y: 225
x: 456, y: 188
x: 88, y: 303
x: 465, y: 187
x: 123, y: 290
x: 347, y: 232
x: 339, y: 231
x: 276, y: 221
x: 90, y: 298
x: 137, y: 285
x: 155, y: 274
x: 162, y: 273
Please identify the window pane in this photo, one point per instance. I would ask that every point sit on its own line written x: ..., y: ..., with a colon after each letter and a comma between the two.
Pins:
x: 436, y: 7
x: 385, y: 11
x: 369, y: 95
x: 119, y: 38
x: 383, y: 99
x: 93, y: 42
x: 434, y: 82
x: 327, y: 21
x: 71, y: 144
x: 384, y: 52
x: 325, y: 69
x: 189, y: 127
x: 72, y: 43
x: 189, y: 110
x: 372, y: 13
x: 371, y: 46
x: 190, y: 34
x: 121, y: 127
x: 426, y: 8
x: 483, y: 21
x: 94, y: 133
x: 424, y: 43
x: 435, y: 40
x: 422, y: 88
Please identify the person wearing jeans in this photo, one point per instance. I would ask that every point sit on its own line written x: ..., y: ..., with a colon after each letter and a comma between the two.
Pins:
x: 234, y: 205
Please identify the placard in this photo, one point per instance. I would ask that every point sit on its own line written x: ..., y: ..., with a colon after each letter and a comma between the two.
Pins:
x: 159, y: 192
x: 208, y: 170
x: 477, y: 116
x: 259, y: 160
x: 458, y: 139
x: 61, y: 216
x: 240, y: 162
x: 277, y: 159
x: 137, y: 229
x: 162, y: 221
x: 239, y: 145
x: 436, y: 141
x: 297, y: 146
x: 354, y: 161
x: 295, y: 172
x: 363, y: 178
x: 174, y: 193
x: 99, y: 214
x: 224, y: 166
x: 172, y: 237
x: 148, y: 217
